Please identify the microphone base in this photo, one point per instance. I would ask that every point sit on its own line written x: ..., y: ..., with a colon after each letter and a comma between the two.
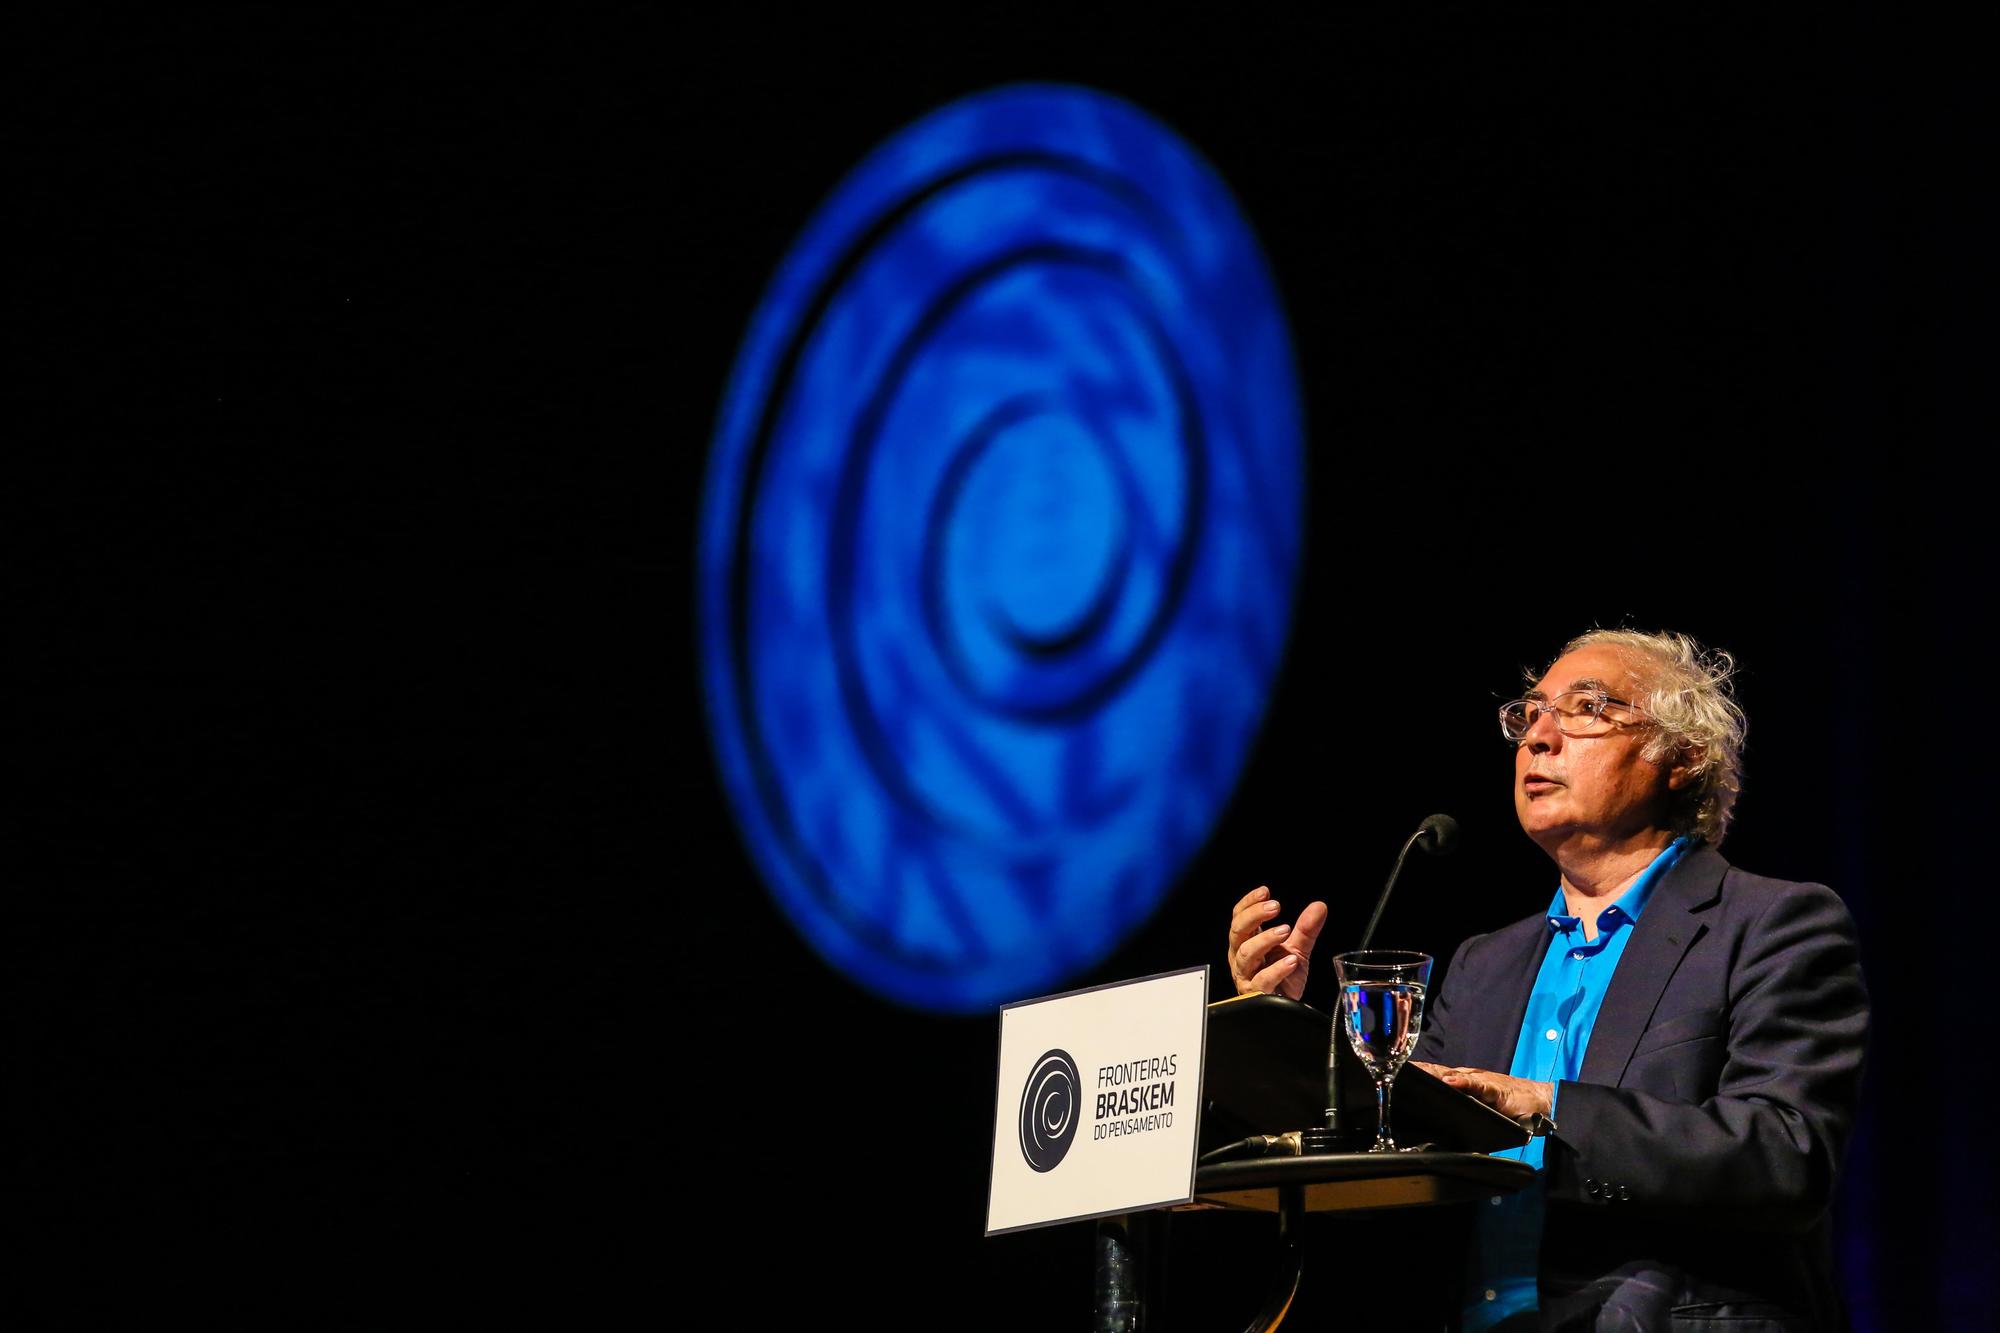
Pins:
x: 1322, y: 1140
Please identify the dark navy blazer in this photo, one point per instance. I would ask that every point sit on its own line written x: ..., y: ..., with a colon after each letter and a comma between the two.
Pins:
x: 1694, y: 1161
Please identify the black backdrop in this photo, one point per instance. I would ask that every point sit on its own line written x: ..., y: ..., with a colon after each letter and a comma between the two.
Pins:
x: 384, y: 925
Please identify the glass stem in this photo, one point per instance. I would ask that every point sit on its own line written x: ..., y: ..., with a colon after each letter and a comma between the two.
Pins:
x: 1383, y: 1140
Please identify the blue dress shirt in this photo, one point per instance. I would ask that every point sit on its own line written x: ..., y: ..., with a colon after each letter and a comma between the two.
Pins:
x: 1562, y: 1009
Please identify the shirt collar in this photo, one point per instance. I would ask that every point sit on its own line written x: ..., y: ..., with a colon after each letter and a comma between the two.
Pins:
x: 1630, y: 903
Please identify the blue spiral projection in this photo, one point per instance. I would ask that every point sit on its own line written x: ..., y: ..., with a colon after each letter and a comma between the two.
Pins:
x: 998, y: 545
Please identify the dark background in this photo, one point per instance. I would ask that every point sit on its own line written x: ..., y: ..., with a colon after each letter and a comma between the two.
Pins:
x: 381, y: 924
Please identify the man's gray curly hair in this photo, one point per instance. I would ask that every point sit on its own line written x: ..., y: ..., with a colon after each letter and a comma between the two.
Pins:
x: 1689, y: 693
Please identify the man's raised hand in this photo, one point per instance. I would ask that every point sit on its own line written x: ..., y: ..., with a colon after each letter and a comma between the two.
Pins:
x: 1266, y: 955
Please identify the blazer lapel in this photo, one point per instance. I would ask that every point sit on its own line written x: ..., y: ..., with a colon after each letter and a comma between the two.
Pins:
x: 1665, y: 931
x: 1517, y: 959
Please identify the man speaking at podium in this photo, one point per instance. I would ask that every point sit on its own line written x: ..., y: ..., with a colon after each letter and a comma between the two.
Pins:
x: 1683, y: 1037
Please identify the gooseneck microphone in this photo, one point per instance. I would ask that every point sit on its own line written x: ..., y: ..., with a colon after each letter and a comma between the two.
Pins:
x: 1438, y: 836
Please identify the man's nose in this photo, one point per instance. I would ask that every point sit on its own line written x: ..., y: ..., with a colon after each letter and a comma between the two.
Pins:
x: 1543, y: 735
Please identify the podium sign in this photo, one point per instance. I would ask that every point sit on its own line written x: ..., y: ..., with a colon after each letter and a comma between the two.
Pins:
x: 1099, y: 1103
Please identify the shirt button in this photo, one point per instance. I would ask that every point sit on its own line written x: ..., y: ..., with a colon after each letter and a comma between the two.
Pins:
x: 1496, y: 1201
x: 1492, y: 1295
x: 1552, y: 1034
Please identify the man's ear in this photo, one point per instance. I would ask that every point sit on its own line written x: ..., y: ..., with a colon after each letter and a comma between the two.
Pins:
x: 1685, y: 769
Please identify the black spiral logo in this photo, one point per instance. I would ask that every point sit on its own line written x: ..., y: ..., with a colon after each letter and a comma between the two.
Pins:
x: 1049, y: 1106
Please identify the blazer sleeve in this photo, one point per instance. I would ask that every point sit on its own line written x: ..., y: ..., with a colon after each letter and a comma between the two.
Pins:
x: 1767, y: 1144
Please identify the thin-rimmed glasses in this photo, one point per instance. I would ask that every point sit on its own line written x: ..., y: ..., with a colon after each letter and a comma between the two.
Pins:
x: 1577, y: 713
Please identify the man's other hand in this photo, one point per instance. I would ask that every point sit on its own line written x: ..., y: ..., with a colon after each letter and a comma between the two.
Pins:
x: 1515, y: 1098
x: 1266, y: 956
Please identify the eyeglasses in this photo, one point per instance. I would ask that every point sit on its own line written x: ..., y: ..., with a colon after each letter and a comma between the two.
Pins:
x: 1577, y: 713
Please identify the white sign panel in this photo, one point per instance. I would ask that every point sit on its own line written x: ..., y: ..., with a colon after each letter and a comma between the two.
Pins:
x: 1099, y: 1104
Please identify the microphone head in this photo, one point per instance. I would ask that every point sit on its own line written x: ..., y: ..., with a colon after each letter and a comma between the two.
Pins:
x: 1438, y: 835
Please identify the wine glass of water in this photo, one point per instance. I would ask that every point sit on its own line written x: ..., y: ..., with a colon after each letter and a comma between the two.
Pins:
x: 1382, y: 1009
